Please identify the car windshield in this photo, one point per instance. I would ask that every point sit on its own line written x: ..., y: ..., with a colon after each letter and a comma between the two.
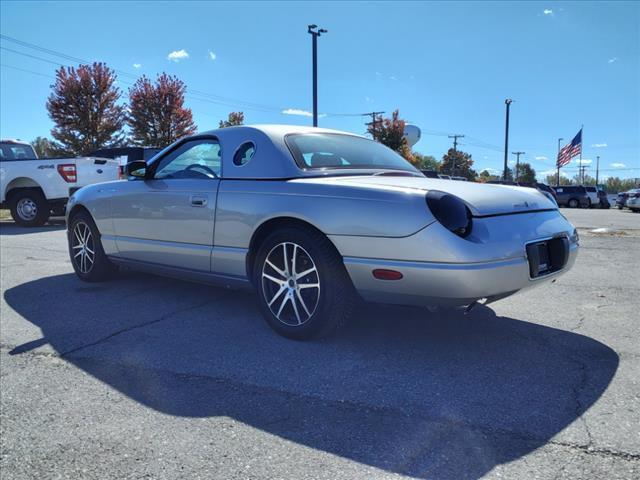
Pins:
x: 335, y: 151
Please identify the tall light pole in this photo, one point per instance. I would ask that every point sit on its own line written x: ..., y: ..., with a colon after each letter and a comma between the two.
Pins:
x: 517, y: 154
x: 597, y: 169
x: 315, y: 33
x: 507, y: 102
x: 558, y: 164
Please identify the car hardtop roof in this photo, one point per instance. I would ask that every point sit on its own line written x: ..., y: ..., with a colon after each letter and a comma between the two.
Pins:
x: 276, y: 130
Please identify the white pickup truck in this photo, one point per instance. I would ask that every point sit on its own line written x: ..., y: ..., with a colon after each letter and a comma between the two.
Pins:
x: 33, y: 188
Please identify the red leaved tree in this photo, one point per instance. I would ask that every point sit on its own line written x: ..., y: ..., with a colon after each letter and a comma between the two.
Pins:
x: 157, y: 116
x: 84, y: 108
x: 390, y: 132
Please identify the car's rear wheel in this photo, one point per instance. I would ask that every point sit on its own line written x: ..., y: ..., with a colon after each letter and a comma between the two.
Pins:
x: 573, y: 203
x: 29, y: 208
x: 85, y: 250
x: 303, y: 288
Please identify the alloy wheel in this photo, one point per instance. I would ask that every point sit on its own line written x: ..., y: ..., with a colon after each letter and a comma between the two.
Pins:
x: 290, y: 284
x: 83, y: 247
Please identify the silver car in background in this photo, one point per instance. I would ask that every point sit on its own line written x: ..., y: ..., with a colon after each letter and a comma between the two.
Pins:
x: 313, y: 218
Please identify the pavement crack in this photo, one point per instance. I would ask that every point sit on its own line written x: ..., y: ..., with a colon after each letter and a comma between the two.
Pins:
x: 141, y: 325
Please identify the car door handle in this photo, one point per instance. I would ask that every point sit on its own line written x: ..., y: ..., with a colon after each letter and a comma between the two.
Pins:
x: 198, y: 201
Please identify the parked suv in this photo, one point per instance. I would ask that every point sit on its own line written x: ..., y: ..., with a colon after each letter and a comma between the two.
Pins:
x: 572, y: 196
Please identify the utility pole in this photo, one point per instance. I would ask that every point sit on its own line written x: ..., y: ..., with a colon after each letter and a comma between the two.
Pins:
x: 558, y: 164
x: 315, y: 33
x: 375, y: 120
x: 597, y: 169
x: 517, y: 154
x: 507, y: 102
x: 581, y: 174
x: 455, y: 149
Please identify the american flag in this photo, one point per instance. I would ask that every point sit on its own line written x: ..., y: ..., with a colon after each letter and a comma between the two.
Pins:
x: 570, y: 150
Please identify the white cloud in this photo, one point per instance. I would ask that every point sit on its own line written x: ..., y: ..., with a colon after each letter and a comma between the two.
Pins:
x: 378, y: 74
x: 392, y: 77
x: 137, y: 65
x: 368, y: 99
x: 541, y: 157
x: 300, y: 112
x: 584, y: 161
x: 178, y: 55
x: 547, y: 11
x: 599, y: 145
x: 486, y: 158
x: 512, y: 162
x: 618, y: 165
x: 212, y: 55
x: 552, y: 172
x: 613, y: 60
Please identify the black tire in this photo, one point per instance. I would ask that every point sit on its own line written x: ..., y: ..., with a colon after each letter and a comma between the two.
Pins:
x: 99, y: 268
x: 334, y: 298
x: 573, y: 203
x: 29, y: 208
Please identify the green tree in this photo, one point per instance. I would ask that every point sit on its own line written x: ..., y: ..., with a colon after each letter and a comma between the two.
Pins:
x: 234, y: 118
x: 526, y: 173
x: 157, y: 115
x: 390, y: 132
x: 485, y: 176
x: 84, y: 107
x: 616, y: 184
x: 551, y: 180
x: 425, y: 162
x: 458, y: 163
x: 44, y: 147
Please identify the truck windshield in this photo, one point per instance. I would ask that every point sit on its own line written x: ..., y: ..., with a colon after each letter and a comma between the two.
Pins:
x: 334, y: 150
x: 16, y: 151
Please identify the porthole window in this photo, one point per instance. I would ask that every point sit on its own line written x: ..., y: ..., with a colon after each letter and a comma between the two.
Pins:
x: 244, y: 153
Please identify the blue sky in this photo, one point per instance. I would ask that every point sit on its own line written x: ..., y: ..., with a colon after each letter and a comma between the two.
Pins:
x: 447, y: 66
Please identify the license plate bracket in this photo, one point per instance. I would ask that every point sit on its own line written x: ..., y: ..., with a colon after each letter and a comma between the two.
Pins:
x: 547, y: 256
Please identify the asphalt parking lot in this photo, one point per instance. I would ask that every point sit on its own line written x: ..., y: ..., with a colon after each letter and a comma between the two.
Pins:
x: 146, y: 377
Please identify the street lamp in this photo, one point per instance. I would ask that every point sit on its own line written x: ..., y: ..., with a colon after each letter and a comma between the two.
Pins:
x: 315, y: 33
x: 507, y: 102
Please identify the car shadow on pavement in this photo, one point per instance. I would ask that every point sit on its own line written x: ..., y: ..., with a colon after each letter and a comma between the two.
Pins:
x: 8, y: 227
x: 431, y: 395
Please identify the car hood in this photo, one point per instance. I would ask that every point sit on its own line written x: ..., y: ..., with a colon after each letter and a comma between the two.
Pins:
x: 481, y: 198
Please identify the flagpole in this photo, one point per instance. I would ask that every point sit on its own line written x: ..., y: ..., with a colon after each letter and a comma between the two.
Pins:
x: 581, y: 148
x: 558, y: 163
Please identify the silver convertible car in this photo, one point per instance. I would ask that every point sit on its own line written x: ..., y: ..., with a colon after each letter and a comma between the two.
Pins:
x: 312, y: 219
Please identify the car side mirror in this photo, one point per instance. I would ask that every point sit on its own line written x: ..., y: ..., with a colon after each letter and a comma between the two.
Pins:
x: 137, y: 168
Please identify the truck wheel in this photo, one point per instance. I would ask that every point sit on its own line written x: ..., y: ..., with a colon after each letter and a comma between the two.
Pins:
x: 29, y: 208
x: 573, y: 203
x: 85, y: 250
x: 303, y: 289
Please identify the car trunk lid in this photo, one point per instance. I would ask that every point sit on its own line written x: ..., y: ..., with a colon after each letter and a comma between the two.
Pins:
x: 482, y: 199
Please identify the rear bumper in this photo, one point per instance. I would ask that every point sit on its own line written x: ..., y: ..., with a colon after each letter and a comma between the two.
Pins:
x: 454, y: 284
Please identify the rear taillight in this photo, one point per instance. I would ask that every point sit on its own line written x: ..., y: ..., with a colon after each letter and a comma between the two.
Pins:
x: 68, y: 172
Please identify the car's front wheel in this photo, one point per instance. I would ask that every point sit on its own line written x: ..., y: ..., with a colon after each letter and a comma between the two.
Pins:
x: 573, y: 203
x: 303, y: 288
x: 85, y: 250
